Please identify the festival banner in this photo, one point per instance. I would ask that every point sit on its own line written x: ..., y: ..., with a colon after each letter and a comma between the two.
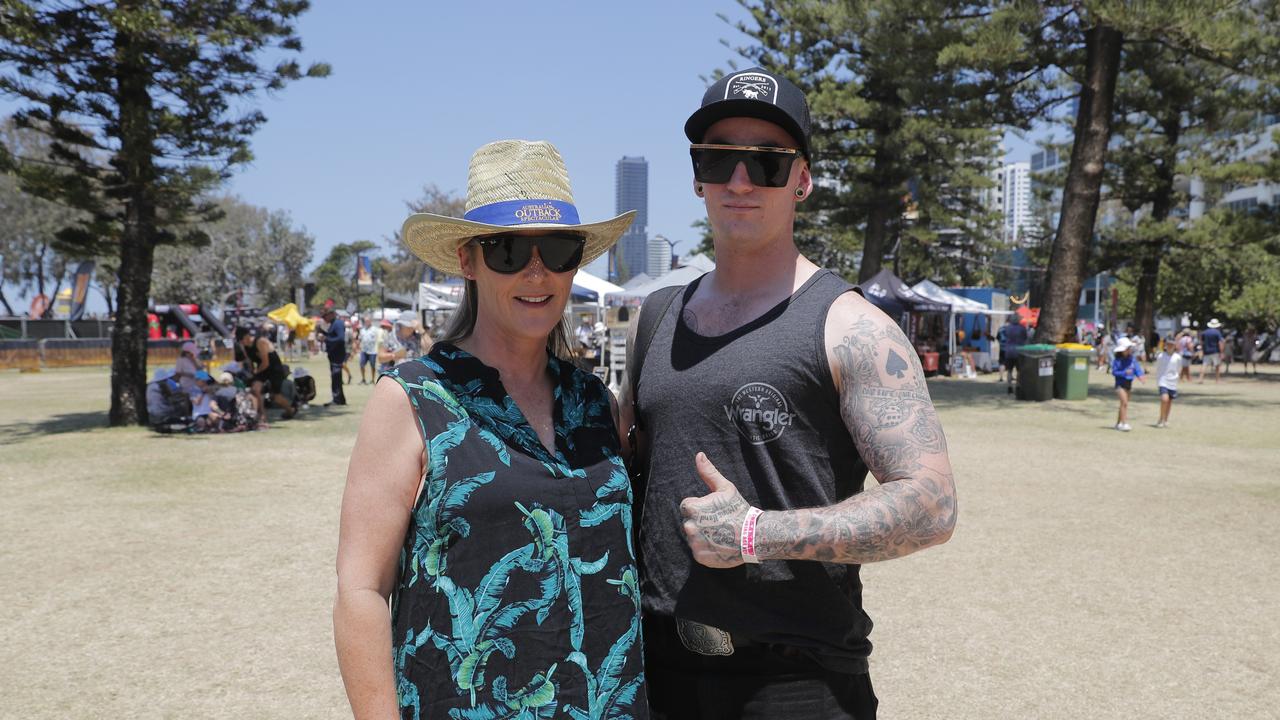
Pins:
x: 364, y: 271
x: 80, y: 289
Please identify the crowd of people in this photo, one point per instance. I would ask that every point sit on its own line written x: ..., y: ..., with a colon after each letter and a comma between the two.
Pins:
x: 189, y: 397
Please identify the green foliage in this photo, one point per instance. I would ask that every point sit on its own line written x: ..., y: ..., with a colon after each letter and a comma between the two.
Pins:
x: 1226, y: 266
x: 401, y: 270
x: 146, y: 105
x: 250, y: 248
x: 906, y: 98
x: 335, y: 277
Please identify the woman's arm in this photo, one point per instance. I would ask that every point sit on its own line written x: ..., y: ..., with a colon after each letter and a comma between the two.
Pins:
x: 387, y: 465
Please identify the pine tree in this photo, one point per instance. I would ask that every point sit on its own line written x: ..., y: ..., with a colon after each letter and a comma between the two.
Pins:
x: 153, y: 88
x: 907, y: 98
x: 1090, y: 39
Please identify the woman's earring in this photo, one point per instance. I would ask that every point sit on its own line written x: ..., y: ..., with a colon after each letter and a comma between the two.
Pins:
x: 800, y: 193
x: 697, y: 190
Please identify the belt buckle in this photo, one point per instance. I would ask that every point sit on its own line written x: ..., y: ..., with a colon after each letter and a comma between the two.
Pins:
x: 704, y: 639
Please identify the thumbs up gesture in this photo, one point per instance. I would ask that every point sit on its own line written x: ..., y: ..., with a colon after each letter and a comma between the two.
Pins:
x: 712, y: 523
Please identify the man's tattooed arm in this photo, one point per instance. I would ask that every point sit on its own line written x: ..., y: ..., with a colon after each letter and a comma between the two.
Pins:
x: 886, y: 407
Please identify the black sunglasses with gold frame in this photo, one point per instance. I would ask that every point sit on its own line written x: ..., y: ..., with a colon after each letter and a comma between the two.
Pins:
x: 766, y: 166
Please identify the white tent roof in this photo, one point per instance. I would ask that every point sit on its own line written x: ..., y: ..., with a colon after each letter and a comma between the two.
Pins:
x: 679, y: 276
x: 637, y: 280
x: 597, y: 285
x: 958, y: 303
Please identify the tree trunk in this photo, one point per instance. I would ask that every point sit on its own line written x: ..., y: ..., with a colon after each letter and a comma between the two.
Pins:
x: 137, y: 239
x: 1067, y: 264
x: 873, y: 245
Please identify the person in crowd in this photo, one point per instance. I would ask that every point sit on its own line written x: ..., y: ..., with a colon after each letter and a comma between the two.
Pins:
x: 1125, y: 368
x: 1186, y: 348
x: 352, y: 334
x: 1106, y: 348
x: 260, y: 359
x: 1249, y: 349
x: 1168, y: 370
x: 185, y: 369
x: 159, y: 391
x: 486, y: 496
x: 404, y: 342
x: 1139, y: 344
x: 1211, y: 342
x: 370, y: 339
x: 1013, y: 337
x: 335, y: 349
x: 202, y: 403
x: 761, y: 394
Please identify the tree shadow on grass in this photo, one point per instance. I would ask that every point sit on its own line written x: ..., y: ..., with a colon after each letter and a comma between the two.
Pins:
x: 15, y: 433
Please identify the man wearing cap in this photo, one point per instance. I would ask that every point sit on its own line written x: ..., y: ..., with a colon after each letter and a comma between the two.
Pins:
x: 335, y: 348
x: 1211, y: 343
x: 762, y: 393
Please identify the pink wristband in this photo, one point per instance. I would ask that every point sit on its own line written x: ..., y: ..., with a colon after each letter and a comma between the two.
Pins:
x: 747, y: 538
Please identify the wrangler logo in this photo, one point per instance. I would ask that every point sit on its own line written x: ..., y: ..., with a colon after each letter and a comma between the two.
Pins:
x: 759, y: 412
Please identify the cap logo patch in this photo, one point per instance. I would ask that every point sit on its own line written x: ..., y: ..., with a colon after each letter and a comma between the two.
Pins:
x: 752, y: 86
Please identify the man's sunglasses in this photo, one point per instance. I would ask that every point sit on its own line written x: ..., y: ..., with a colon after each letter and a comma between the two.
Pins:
x: 766, y: 166
x: 509, y: 253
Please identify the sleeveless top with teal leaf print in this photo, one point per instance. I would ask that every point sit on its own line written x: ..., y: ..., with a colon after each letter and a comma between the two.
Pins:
x: 517, y: 594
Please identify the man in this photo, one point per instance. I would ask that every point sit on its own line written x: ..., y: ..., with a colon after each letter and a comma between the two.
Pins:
x: 335, y: 348
x: 1211, y: 343
x: 370, y: 336
x: 770, y: 383
x: 1012, y: 337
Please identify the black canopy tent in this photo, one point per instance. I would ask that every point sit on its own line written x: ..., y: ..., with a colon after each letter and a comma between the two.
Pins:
x: 889, y: 293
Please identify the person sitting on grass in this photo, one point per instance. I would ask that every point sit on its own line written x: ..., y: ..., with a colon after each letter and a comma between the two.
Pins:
x: 1125, y: 368
x: 1168, y: 368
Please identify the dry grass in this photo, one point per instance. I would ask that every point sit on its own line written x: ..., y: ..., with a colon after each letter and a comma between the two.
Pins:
x: 1093, y: 573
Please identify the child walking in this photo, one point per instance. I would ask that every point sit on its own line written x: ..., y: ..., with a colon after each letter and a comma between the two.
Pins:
x: 1168, y: 368
x: 1125, y: 368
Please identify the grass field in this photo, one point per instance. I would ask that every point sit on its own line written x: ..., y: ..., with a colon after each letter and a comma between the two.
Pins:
x: 1093, y: 574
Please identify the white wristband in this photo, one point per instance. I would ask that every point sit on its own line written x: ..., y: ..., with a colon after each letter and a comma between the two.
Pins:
x: 747, y: 536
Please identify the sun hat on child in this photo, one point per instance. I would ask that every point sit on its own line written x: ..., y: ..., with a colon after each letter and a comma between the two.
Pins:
x: 511, y: 185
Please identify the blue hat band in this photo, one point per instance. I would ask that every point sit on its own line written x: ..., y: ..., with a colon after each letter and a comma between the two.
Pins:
x: 524, y: 212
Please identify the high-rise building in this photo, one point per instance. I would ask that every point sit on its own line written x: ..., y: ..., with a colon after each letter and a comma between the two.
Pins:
x: 631, y: 192
x: 1017, y: 202
x: 659, y: 256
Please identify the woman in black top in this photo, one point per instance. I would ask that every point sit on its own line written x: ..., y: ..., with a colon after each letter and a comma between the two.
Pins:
x: 260, y: 358
x: 486, y: 496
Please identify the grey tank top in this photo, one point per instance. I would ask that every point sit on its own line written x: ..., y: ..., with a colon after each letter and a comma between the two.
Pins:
x: 761, y: 403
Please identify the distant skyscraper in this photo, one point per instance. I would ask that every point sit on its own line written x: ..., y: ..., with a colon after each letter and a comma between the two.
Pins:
x: 631, y: 254
x: 659, y: 256
x: 1017, y: 201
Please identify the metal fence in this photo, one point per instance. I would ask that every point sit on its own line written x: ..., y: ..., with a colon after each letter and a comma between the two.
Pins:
x: 34, y: 355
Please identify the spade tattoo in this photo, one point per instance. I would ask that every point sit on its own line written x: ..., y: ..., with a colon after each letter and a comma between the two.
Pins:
x: 895, y: 365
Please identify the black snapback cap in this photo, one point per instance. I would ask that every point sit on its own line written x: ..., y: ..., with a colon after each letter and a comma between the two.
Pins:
x: 754, y: 93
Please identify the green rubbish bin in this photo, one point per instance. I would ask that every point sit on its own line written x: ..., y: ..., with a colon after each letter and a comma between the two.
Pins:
x: 1035, y: 372
x: 1071, y: 372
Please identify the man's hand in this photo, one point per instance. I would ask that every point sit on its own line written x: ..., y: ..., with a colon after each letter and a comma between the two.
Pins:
x: 713, y: 522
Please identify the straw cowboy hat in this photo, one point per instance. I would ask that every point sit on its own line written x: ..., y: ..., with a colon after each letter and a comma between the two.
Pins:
x: 1213, y: 324
x: 512, y: 185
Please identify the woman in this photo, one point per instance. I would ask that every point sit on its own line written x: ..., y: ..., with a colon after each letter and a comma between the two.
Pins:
x: 185, y: 369
x: 485, y: 496
x: 260, y: 358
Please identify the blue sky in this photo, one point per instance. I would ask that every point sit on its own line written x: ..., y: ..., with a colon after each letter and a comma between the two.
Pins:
x: 417, y: 87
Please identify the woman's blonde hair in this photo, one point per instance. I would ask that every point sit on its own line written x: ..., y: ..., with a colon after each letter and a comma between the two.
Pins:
x: 462, y: 323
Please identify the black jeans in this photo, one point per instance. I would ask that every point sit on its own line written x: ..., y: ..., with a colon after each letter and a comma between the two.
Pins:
x: 757, y: 681
x: 335, y: 378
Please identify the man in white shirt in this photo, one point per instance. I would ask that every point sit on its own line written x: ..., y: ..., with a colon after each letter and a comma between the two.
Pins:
x: 1168, y: 367
x: 370, y: 338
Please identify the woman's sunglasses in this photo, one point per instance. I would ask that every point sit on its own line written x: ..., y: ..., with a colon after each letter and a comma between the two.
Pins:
x: 509, y: 253
x: 766, y: 166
